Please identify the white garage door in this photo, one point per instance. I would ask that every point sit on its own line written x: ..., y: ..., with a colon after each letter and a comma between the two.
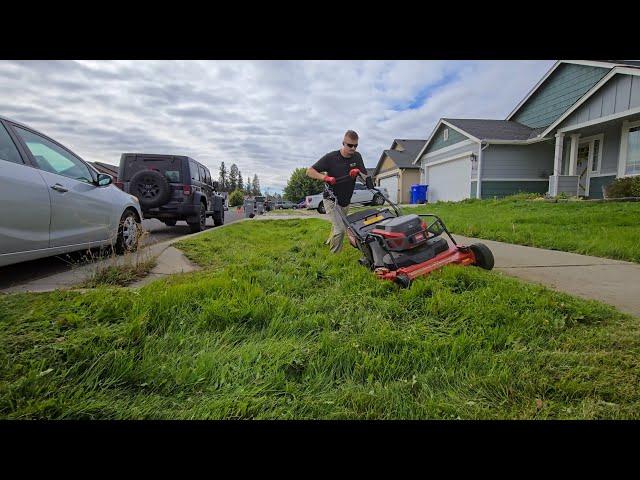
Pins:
x: 391, y: 184
x: 450, y: 181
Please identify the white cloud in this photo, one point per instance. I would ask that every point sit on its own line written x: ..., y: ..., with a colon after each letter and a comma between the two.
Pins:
x: 268, y: 117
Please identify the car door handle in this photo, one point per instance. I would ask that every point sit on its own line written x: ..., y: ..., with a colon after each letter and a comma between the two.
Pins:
x: 59, y: 188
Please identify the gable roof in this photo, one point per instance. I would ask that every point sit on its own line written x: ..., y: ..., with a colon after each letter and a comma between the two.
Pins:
x: 484, y: 129
x: 593, y: 63
x: 402, y: 158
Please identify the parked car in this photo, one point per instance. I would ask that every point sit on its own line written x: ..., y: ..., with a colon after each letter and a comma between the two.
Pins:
x: 53, y: 202
x: 361, y: 195
x: 283, y: 204
x: 302, y: 203
x: 172, y: 188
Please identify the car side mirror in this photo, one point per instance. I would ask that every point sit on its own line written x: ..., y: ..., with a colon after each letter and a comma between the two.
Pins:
x: 369, y: 182
x: 104, y: 180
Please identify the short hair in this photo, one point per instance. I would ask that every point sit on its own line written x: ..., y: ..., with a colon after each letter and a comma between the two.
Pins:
x: 351, y: 134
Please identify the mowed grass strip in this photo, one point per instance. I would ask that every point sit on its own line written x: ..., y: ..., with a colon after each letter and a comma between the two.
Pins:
x: 274, y: 327
x: 609, y: 230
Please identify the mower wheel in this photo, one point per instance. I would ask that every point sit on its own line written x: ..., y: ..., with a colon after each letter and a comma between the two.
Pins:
x: 403, y: 281
x: 484, y: 257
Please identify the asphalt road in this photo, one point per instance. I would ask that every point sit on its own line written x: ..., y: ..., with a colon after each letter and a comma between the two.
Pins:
x: 20, y: 273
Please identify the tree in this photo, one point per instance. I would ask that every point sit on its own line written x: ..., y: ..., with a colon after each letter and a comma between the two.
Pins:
x: 233, y: 177
x: 255, y: 187
x: 300, y: 186
x: 236, y: 198
x: 240, y: 182
x: 223, y: 178
x: 248, y: 187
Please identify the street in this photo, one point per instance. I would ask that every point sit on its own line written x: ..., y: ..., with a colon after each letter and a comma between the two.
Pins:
x: 19, y: 273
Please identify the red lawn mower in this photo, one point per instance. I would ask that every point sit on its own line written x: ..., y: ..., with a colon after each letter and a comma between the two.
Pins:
x: 403, y: 247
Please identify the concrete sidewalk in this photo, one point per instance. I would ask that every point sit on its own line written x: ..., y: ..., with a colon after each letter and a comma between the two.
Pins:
x: 614, y: 282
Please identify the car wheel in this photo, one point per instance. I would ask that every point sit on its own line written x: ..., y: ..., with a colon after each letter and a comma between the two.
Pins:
x: 484, y: 257
x: 321, y: 208
x: 378, y: 199
x: 129, y: 230
x: 202, y: 217
x: 151, y: 187
x: 170, y: 223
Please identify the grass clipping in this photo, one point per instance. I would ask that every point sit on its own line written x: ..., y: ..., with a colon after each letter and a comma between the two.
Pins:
x: 276, y: 327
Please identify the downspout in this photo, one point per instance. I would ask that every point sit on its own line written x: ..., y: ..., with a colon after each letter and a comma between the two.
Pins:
x: 479, y: 182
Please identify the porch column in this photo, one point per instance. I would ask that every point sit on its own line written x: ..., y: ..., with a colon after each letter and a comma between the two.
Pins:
x: 557, y: 165
x: 573, y: 154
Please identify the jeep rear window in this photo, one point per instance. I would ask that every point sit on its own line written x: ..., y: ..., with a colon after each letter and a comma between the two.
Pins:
x: 172, y: 175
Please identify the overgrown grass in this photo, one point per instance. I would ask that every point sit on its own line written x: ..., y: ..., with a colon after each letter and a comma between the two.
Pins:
x: 120, y: 275
x: 276, y: 327
x: 608, y: 230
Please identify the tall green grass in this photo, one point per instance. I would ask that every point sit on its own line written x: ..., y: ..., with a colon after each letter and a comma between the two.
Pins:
x: 275, y: 327
x: 609, y: 230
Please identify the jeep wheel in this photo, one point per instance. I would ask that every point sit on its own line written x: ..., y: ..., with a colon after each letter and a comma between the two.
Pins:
x: 378, y: 199
x: 151, y: 187
x: 218, y: 219
x: 321, y: 208
x: 202, y: 216
x: 129, y: 230
x: 170, y: 223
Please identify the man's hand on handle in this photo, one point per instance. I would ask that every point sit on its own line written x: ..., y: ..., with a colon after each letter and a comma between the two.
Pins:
x: 330, y: 180
x: 354, y: 172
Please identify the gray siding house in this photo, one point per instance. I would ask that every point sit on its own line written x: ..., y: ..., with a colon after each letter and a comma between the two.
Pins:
x: 575, y: 132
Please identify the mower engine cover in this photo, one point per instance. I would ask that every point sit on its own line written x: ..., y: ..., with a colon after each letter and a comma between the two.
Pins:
x: 402, y: 233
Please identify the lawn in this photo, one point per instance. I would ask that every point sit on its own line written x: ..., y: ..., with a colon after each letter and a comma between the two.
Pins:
x: 274, y: 327
x: 606, y: 229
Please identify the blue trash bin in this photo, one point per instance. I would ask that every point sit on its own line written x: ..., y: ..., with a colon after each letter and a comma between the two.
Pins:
x: 421, y: 193
x: 414, y: 193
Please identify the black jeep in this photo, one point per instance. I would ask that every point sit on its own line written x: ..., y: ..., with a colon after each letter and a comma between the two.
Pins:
x: 172, y: 188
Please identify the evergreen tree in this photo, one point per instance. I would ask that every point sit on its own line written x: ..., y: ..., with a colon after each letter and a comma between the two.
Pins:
x: 223, y: 178
x: 255, y: 187
x: 233, y: 177
x: 248, y: 187
x: 240, y: 182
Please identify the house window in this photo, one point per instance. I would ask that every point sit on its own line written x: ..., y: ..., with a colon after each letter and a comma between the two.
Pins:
x: 445, y: 134
x: 632, y: 161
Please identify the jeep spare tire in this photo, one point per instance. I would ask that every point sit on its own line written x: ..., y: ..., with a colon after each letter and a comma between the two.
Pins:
x: 151, y: 187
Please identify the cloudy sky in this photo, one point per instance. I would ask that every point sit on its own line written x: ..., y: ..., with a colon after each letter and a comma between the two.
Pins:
x: 267, y: 117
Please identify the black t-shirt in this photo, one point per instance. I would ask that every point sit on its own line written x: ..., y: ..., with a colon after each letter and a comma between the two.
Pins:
x: 338, y: 166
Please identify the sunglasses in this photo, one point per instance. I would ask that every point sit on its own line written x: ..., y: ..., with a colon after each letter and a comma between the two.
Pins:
x: 351, y: 145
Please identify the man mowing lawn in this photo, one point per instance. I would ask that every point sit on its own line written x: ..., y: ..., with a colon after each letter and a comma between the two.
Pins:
x: 339, y: 163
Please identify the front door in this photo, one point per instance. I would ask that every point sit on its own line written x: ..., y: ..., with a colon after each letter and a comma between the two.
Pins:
x: 582, y: 169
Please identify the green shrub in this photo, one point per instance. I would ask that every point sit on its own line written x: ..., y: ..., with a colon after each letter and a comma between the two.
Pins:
x: 236, y: 198
x: 623, y: 187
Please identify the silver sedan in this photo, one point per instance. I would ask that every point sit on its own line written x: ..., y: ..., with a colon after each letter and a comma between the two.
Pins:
x: 53, y: 202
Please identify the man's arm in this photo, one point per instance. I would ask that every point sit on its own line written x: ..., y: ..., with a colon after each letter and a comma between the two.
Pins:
x: 313, y: 173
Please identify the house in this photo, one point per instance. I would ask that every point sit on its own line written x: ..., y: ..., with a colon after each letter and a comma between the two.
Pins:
x: 396, y: 169
x: 575, y: 132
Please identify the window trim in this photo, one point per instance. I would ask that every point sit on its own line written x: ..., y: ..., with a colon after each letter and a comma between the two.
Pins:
x: 7, y: 129
x: 25, y: 148
x: 624, y: 140
x: 445, y: 134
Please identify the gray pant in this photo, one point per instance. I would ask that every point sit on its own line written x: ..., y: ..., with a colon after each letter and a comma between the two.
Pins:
x: 338, y: 230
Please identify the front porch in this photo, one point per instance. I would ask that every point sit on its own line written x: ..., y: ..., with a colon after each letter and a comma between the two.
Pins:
x: 591, y: 155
